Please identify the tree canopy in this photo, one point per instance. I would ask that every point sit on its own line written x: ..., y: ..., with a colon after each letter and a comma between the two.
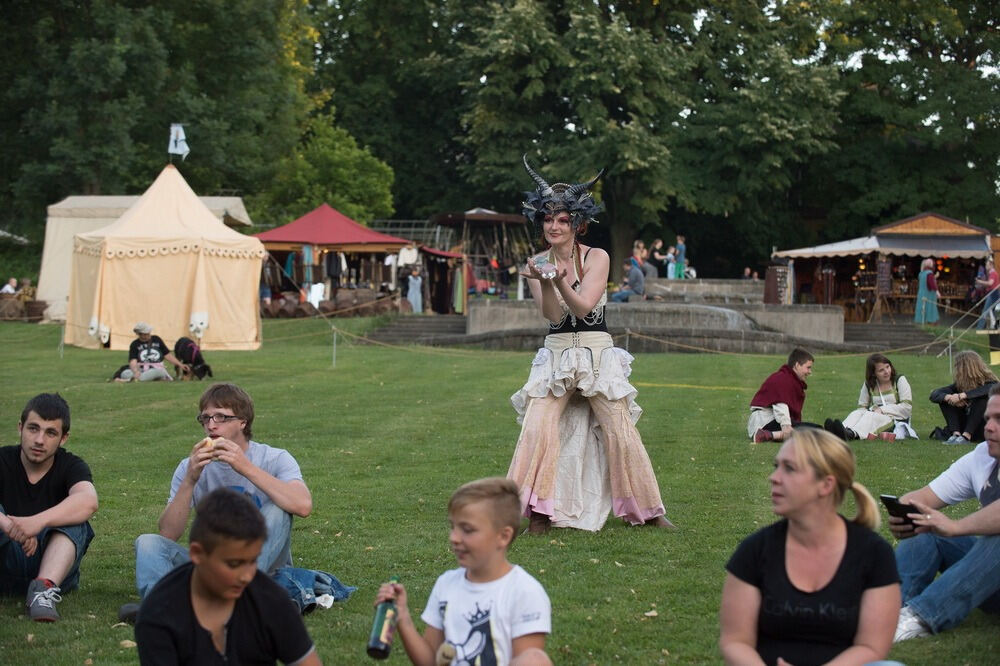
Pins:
x: 743, y: 125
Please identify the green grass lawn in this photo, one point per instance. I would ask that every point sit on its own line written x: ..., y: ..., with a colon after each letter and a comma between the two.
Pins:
x: 387, y: 434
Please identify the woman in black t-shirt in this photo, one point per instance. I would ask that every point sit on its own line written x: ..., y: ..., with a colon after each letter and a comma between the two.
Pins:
x: 813, y: 586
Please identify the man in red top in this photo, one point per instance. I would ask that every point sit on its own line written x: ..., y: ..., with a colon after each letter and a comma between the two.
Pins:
x: 777, y: 406
x: 990, y: 285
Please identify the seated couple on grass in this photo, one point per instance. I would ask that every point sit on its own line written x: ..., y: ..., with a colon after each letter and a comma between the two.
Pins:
x: 884, y: 404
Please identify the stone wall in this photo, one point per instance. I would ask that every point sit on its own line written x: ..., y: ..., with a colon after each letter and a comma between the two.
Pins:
x: 709, y: 291
x: 807, y: 322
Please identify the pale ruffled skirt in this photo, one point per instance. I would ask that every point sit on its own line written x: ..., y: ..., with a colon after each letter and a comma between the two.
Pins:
x: 566, y: 464
x: 865, y: 422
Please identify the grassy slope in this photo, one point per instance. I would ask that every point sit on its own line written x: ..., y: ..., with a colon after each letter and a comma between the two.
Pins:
x: 385, y: 436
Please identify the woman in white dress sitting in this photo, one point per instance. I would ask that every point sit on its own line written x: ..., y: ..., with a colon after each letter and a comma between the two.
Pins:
x: 884, y: 405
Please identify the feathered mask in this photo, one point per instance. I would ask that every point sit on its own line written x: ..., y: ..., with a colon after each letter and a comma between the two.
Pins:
x: 549, y: 199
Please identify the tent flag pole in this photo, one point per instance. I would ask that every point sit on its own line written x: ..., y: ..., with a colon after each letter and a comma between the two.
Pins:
x: 62, y: 340
x: 334, y: 359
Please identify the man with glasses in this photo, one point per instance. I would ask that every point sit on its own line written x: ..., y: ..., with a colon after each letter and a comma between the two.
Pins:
x: 269, y: 476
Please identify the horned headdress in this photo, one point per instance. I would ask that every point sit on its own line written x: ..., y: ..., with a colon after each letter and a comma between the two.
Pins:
x: 549, y: 199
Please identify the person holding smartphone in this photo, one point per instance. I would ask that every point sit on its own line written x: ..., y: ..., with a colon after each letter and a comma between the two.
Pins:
x: 966, y: 551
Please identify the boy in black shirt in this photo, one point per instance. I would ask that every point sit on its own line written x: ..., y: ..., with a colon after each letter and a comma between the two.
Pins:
x: 47, y: 495
x: 218, y: 608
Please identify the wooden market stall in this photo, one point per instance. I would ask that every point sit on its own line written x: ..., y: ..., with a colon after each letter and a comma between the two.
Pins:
x: 325, y: 242
x: 882, y: 268
x: 494, y: 244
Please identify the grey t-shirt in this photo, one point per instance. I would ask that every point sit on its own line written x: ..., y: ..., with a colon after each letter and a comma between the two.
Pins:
x: 636, y: 280
x: 277, y: 462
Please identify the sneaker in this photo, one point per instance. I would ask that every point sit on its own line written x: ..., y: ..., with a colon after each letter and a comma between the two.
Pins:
x: 128, y: 612
x: 957, y: 439
x: 909, y: 626
x: 763, y: 436
x: 41, y: 601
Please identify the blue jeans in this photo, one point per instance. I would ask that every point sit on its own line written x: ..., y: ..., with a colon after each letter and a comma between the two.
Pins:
x: 17, y: 570
x: 622, y: 296
x: 156, y: 555
x: 991, y: 299
x: 970, y: 577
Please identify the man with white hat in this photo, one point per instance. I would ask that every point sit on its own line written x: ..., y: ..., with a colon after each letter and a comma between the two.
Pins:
x: 146, y: 355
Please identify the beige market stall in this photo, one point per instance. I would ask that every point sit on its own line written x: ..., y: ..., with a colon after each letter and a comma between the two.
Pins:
x: 170, y: 262
x: 79, y: 214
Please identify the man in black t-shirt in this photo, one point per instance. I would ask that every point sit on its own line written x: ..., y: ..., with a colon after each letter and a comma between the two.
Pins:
x: 146, y: 355
x: 47, y: 495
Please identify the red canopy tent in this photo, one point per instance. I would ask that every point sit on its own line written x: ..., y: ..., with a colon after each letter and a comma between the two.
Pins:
x: 329, y: 229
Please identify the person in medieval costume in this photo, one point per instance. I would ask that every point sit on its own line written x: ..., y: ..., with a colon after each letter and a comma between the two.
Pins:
x: 579, y: 455
x: 925, y: 310
x: 415, y: 291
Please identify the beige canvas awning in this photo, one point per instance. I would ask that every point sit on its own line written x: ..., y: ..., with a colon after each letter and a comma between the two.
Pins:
x: 170, y: 262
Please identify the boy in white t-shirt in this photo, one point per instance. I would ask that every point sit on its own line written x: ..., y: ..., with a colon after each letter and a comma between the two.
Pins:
x: 488, y: 611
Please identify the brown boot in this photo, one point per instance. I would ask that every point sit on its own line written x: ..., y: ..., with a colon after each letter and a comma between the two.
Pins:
x: 661, y: 521
x: 539, y: 523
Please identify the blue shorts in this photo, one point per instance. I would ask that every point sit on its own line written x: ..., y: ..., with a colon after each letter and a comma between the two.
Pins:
x: 17, y: 570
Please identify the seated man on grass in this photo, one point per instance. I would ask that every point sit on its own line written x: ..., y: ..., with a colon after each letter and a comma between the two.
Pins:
x: 219, y: 607
x: 270, y: 477
x: 146, y: 355
x: 966, y: 552
x: 47, y: 495
x: 777, y: 406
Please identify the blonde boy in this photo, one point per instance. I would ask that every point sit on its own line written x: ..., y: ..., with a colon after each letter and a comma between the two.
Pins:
x: 487, y: 611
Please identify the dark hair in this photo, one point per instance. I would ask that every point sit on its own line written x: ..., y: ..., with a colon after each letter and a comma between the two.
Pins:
x: 799, y: 356
x: 230, y: 396
x: 226, y: 514
x: 994, y: 389
x: 870, y: 380
x: 50, y: 407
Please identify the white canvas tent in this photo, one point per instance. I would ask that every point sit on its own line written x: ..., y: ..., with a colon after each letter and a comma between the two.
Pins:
x: 80, y: 214
x: 170, y: 262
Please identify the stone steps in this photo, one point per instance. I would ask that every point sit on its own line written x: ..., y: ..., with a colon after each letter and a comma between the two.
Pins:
x: 887, y: 336
x: 419, y: 329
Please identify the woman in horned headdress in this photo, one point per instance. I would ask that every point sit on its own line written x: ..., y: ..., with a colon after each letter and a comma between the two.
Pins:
x: 579, y: 455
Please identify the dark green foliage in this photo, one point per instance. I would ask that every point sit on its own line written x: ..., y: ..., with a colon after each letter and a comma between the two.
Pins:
x: 328, y: 167
x: 743, y: 125
x: 90, y: 90
x: 919, y: 128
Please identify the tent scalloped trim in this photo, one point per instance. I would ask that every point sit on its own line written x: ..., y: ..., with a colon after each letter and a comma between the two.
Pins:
x: 168, y: 249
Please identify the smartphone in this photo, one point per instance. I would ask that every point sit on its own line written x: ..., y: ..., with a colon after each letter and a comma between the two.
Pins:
x: 897, y: 508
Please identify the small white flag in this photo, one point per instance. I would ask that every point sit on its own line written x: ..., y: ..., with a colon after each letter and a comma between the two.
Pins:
x: 178, y: 144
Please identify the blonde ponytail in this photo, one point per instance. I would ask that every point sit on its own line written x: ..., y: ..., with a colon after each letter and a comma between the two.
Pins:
x: 868, y: 515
